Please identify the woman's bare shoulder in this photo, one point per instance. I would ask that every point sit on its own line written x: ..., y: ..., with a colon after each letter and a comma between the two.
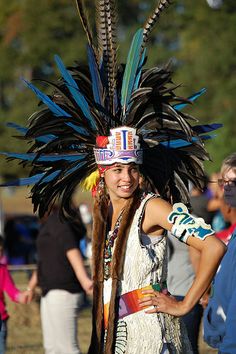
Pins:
x: 156, y: 203
x: 156, y: 214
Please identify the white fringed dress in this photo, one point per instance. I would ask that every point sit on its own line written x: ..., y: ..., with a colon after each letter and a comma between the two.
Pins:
x: 146, y: 263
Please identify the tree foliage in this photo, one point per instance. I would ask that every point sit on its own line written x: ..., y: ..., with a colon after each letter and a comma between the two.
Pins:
x: 200, y: 41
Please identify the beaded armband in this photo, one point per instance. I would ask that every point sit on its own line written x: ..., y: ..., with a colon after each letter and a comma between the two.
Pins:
x: 185, y: 225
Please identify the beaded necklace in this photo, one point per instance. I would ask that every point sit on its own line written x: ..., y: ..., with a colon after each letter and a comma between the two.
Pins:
x: 110, y: 240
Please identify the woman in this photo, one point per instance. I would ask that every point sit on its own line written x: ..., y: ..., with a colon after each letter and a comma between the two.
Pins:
x: 103, y: 123
x: 130, y: 229
x: 63, y: 279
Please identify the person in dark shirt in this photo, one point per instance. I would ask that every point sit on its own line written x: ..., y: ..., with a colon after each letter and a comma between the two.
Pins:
x: 62, y: 277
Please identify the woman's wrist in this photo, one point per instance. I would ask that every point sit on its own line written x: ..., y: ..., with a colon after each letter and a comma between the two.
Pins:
x: 185, y: 306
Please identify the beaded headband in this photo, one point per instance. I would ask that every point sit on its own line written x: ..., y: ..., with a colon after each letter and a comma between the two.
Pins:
x: 122, y: 146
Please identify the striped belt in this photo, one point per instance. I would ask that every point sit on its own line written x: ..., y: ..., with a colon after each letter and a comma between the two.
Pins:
x: 129, y: 302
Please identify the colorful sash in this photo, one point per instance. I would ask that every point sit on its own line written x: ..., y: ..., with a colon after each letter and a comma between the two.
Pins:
x: 128, y: 302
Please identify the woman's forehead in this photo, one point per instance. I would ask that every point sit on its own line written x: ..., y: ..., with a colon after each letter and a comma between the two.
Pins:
x: 124, y: 165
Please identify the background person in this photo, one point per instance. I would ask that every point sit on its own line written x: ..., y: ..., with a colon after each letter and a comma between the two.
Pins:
x: 62, y: 277
x: 220, y: 314
x: 229, y: 214
x: 214, y: 193
x: 183, y: 262
x: 7, y: 286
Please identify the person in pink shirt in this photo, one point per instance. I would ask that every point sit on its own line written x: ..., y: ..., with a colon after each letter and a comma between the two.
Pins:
x: 7, y: 285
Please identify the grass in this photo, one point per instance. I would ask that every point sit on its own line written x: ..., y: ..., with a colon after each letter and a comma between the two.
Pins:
x: 25, y: 336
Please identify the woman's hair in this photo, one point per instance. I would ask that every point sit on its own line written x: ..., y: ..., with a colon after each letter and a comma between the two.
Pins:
x: 100, y: 213
x: 229, y: 163
x: 101, y: 200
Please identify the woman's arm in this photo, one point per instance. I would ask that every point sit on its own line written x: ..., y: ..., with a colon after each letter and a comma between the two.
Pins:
x: 77, y: 264
x: 211, y: 251
x: 194, y: 256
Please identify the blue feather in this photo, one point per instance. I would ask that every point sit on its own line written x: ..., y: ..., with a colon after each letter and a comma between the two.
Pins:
x: 68, y: 157
x: 50, y: 177
x: 43, y: 139
x: 44, y: 158
x: 74, y: 90
x: 178, y: 143
x: 46, y: 138
x: 24, y: 181
x: 18, y: 127
x: 40, y: 177
x: 23, y: 157
x: 205, y: 128
x: 207, y: 137
x: 131, y: 67
x: 191, y: 98
x: 139, y: 70
x: 174, y: 144
x: 73, y: 169
x: 79, y: 130
x: 95, y: 76
x: 56, y: 110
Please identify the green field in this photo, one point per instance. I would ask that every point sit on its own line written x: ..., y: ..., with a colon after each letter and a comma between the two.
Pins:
x: 25, y: 335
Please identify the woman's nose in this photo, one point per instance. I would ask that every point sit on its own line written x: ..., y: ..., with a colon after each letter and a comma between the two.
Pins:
x: 127, y: 176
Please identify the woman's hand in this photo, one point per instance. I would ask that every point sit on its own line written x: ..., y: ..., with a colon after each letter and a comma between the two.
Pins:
x: 162, y: 303
x: 204, y: 300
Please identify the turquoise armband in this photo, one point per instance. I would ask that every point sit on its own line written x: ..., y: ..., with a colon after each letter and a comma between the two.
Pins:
x: 185, y: 225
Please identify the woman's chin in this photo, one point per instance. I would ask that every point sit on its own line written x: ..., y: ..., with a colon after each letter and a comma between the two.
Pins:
x: 125, y: 193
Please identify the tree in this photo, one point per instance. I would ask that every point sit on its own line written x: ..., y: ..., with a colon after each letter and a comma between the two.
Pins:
x: 207, y: 59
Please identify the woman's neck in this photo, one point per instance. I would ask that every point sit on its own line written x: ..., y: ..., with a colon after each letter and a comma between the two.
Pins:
x: 118, y: 204
x: 115, y: 211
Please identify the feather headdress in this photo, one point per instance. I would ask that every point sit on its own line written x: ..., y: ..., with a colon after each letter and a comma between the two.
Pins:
x: 89, y: 101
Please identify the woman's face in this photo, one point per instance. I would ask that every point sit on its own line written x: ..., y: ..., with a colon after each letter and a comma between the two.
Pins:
x: 122, y: 180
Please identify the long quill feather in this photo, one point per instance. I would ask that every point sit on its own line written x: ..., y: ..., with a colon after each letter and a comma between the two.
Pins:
x: 74, y: 90
x: 131, y: 67
x: 57, y: 110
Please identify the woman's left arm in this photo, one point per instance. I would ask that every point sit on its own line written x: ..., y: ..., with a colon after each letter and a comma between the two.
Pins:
x: 211, y: 252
